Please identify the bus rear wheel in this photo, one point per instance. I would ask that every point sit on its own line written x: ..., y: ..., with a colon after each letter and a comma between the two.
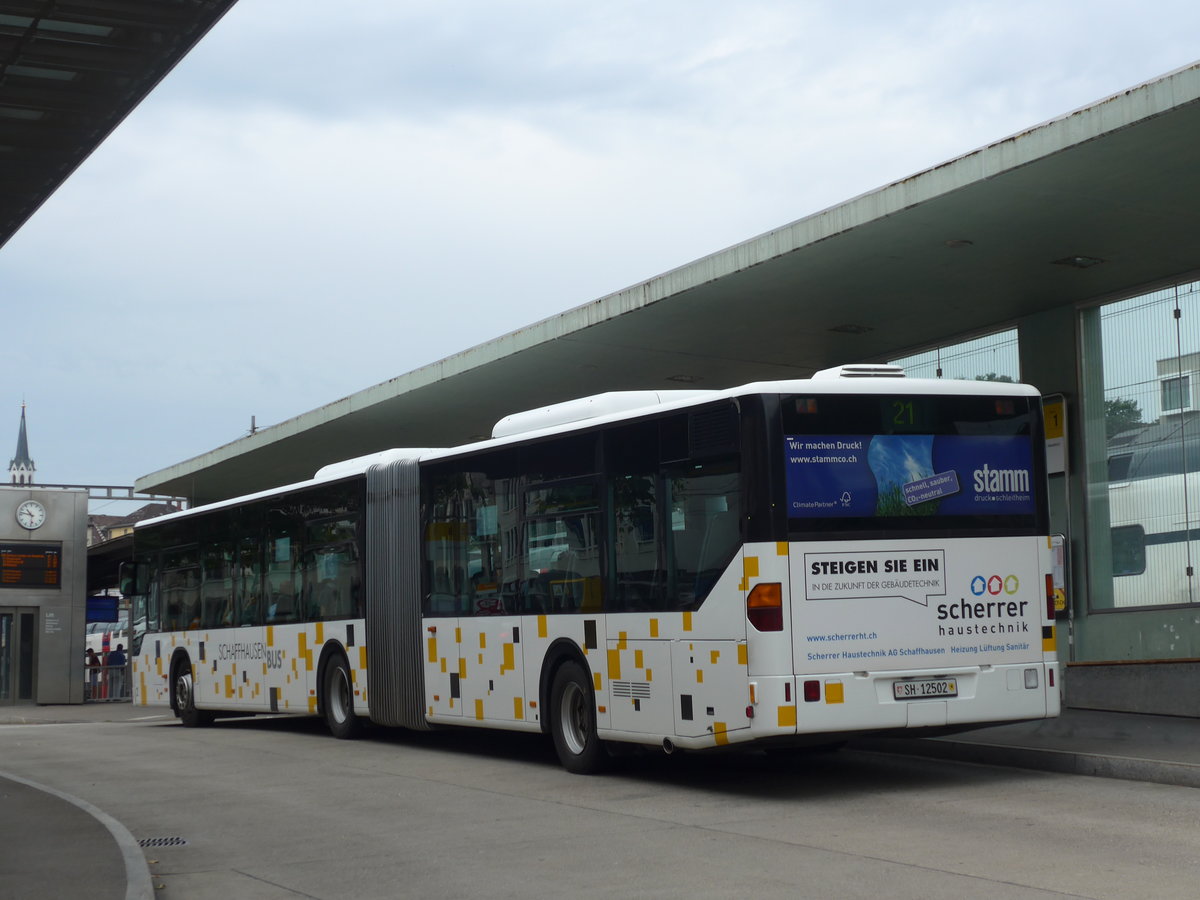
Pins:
x: 573, y: 721
x: 337, y: 699
x: 184, y: 691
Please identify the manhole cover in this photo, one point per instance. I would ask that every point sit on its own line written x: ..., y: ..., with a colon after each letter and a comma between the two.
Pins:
x: 162, y: 842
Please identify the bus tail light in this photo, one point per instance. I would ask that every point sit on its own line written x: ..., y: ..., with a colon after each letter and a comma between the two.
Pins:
x: 812, y: 691
x: 1050, y: 611
x: 764, y: 606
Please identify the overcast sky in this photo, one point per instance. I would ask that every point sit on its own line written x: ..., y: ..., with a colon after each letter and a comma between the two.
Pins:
x: 320, y: 198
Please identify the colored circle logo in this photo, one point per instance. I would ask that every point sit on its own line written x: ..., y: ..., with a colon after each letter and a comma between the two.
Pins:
x: 995, y: 584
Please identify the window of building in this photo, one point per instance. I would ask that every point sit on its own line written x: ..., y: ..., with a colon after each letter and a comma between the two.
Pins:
x: 1175, y: 395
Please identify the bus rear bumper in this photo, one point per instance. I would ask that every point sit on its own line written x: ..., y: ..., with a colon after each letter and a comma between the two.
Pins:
x: 897, y: 700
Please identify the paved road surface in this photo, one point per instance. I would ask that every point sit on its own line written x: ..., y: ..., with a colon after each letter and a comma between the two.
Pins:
x: 278, y: 809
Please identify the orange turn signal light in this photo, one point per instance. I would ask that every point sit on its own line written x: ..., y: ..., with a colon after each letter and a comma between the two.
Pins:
x: 764, y: 606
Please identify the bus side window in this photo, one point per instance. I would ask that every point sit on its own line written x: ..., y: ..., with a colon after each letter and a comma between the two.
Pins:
x: 181, y: 595
x: 1128, y: 550
x: 330, y: 579
x: 153, y: 620
x: 705, y: 530
x: 465, y: 510
x: 216, y: 591
x: 632, y: 459
x: 249, y: 575
x: 281, y: 586
x: 281, y: 597
x: 560, y: 555
x: 1118, y: 466
x: 451, y: 503
x: 638, y: 569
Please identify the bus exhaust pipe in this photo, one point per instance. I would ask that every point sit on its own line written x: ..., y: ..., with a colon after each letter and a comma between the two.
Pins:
x: 668, y: 747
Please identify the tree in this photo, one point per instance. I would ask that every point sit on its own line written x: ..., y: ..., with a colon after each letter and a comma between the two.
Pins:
x: 1120, y: 415
x: 992, y: 376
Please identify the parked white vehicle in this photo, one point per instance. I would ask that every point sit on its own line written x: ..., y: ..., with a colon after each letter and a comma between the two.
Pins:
x: 1154, y: 513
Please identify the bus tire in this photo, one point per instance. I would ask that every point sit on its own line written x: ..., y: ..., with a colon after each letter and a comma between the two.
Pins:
x: 183, y: 697
x: 337, y: 700
x: 573, y: 721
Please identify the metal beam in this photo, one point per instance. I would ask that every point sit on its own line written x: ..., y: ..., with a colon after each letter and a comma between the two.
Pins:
x: 116, y: 492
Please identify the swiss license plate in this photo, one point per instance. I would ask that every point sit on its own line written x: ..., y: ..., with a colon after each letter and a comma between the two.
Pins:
x: 925, y: 688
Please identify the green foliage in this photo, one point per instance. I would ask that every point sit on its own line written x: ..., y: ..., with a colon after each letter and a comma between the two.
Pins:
x: 1121, y: 415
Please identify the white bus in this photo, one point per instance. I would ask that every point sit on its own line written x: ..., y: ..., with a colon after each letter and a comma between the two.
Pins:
x: 775, y: 565
x: 1154, y: 512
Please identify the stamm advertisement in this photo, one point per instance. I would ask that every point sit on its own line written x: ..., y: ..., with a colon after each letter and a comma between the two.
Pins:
x: 908, y: 475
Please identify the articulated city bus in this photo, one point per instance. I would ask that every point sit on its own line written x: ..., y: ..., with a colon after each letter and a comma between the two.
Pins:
x: 776, y: 565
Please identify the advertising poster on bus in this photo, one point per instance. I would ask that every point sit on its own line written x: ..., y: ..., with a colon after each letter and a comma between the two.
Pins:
x: 867, y: 606
x: 895, y: 604
x: 909, y: 474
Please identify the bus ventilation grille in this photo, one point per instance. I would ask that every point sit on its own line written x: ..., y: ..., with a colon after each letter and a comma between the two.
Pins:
x: 637, y: 689
x: 861, y: 371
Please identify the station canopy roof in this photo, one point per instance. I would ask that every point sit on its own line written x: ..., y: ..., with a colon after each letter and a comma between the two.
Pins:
x: 70, y: 72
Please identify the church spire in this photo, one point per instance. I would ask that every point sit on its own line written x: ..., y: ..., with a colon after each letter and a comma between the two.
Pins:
x: 21, y: 468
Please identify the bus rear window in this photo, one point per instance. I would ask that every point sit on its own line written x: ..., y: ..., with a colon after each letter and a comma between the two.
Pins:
x: 912, y: 463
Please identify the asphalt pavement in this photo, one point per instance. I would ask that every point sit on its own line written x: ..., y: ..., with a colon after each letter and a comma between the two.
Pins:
x: 55, y: 845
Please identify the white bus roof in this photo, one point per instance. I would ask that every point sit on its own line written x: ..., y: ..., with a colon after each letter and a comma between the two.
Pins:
x: 601, y: 409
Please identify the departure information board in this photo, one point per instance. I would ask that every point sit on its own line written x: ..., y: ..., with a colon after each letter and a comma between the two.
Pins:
x: 30, y: 565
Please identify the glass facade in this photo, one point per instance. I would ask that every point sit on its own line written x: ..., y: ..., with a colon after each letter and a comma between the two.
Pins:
x: 1140, y: 358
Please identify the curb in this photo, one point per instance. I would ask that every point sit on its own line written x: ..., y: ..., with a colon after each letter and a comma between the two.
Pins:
x: 1061, y: 761
x: 138, y: 885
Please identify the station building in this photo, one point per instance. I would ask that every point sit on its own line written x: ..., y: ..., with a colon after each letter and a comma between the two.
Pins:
x: 1063, y: 256
x: 43, y: 573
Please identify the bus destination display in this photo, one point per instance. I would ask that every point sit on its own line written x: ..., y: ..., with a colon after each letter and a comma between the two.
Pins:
x: 30, y: 565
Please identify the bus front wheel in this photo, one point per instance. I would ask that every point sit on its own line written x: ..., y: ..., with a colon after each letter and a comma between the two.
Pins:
x: 338, y: 700
x: 185, y: 697
x: 573, y: 721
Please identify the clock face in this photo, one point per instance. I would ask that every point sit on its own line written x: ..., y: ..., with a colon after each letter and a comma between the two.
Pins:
x: 31, y: 514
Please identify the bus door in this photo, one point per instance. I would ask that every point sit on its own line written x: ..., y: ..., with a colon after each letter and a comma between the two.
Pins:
x: 491, y: 672
x: 709, y: 677
x: 444, y: 667
x: 472, y: 633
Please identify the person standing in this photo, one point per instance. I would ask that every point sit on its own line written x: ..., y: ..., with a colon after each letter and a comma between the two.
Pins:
x: 116, y: 670
x: 94, y: 669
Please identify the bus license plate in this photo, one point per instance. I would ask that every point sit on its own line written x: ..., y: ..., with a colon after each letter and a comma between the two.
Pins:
x: 919, y: 690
